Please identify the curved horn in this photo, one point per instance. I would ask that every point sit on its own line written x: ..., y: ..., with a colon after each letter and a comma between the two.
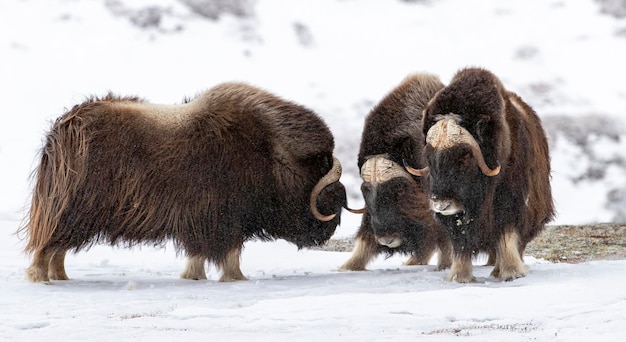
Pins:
x: 332, y: 176
x: 447, y: 133
x: 357, y: 211
x: 480, y: 160
x: 416, y: 172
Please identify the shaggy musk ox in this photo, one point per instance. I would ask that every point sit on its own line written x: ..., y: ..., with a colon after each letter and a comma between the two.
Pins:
x: 234, y: 164
x: 398, y: 217
x: 488, y: 172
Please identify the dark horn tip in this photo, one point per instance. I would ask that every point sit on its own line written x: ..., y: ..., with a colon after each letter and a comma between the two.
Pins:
x: 357, y: 211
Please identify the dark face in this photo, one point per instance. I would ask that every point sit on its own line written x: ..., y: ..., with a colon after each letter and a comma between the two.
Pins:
x: 394, y: 212
x: 455, y: 184
x: 314, y: 232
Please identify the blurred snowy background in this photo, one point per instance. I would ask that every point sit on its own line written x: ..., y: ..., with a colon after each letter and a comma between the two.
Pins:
x: 338, y: 57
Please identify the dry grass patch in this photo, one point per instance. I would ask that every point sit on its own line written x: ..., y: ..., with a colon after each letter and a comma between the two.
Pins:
x: 568, y: 244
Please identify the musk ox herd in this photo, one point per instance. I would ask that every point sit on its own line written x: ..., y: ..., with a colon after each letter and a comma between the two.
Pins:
x: 454, y: 170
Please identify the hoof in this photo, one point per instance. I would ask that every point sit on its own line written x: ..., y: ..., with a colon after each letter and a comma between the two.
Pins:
x: 36, y: 275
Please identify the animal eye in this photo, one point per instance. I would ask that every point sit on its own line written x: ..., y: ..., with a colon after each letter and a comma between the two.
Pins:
x: 366, y: 187
x: 465, y: 161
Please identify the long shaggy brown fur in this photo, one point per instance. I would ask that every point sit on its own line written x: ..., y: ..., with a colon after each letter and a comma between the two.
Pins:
x: 398, y: 208
x: 503, y: 212
x: 235, y: 163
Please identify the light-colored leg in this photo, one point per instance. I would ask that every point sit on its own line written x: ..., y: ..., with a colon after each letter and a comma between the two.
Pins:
x: 461, y: 270
x: 416, y: 260
x: 195, y: 268
x: 364, y: 251
x: 509, y: 264
x: 230, y: 267
x: 56, y: 270
x: 445, y: 256
x: 491, y: 261
x: 38, y: 270
x: 419, y: 259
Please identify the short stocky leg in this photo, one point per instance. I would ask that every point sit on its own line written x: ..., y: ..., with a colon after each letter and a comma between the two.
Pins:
x: 509, y: 264
x: 445, y: 256
x: 419, y: 258
x: 461, y: 270
x: 230, y: 267
x: 56, y: 270
x: 491, y: 261
x: 195, y: 268
x: 364, y: 251
x: 38, y: 270
x: 415, y: 260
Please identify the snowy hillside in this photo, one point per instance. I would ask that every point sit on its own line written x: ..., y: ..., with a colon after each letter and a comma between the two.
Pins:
x: 338, y: 57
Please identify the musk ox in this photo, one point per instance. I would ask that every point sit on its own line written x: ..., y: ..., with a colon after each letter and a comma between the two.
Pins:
x: 488, y: 172
x: 233, y: 164
x: 398, y: 217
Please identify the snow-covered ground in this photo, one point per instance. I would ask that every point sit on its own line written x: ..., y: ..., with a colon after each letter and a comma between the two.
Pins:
x: 118, y: 294
x: 338, y: 58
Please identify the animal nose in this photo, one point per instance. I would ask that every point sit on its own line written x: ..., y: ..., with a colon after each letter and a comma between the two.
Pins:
x: 391, y: 242
x: 441, y: 205
x: 385, y: 241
